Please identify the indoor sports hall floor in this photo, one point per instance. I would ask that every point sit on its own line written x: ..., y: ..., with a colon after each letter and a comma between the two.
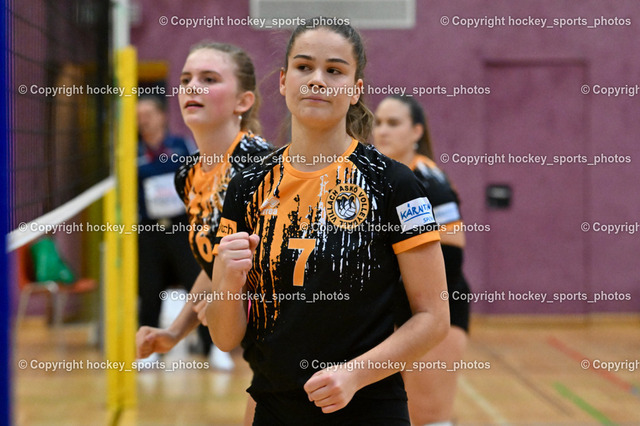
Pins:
x: 533, y: 371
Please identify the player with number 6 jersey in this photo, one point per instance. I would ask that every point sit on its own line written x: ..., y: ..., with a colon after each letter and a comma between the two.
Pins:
x: 218, y: 101
x: 203, y: 192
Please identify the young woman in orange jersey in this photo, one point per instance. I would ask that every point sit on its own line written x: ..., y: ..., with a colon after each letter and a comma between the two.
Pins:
x: 219, y: 101
x: 316, y: 237
x: 401, y: 133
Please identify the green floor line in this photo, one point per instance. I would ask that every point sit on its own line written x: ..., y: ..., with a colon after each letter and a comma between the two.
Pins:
x: 582, y: 404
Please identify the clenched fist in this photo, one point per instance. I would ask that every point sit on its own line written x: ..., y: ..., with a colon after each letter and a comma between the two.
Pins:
x: 235, y: 254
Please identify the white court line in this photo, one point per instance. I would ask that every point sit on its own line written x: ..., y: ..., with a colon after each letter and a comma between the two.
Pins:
x: 481, y: 402
x: 18, y: 238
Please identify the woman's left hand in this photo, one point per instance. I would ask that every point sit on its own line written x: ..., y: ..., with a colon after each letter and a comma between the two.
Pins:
x: 331, y: 389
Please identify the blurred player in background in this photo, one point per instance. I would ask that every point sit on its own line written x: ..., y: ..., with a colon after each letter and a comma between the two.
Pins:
x: 163, y: 248
x: 401, y: 132
x: 219, y: 102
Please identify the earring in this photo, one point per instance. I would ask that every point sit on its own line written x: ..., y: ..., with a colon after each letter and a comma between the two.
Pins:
x: 416, y: 146
x: 240, y: 117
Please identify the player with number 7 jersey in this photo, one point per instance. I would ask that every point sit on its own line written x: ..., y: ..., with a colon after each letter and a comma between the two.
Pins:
x: 316, y: 237
x: 324, y: 272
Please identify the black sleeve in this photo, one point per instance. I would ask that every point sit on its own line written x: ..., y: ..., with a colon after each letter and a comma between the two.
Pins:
x: 452, y: 263
x: 251, y: 152
x: 180, y: 178
x: 443, y: 198
x: 445, y: 202
x: 409, y: 212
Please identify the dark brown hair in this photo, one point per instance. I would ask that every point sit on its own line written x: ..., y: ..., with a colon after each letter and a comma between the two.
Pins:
x: 157, y: 102
x: 417, y: 117
x: 245, y: 73
x: 359, y: 118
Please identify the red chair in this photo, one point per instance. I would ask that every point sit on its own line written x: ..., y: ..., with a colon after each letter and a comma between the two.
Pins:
x: 57, y: 293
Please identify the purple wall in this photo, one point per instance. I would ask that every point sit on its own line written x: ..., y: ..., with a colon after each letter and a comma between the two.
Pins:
x: 539, y: 247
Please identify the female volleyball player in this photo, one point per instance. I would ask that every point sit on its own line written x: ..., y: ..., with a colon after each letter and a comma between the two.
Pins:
x: 401, y: 132
x: 317, y: 237
x: 218, y: 100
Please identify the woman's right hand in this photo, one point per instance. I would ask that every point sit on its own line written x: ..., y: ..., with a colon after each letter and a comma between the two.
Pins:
x: 152, y: 339
x: 235, y: 255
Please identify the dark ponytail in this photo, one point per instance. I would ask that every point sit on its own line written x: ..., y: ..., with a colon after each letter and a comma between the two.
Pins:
x: 360, y: 121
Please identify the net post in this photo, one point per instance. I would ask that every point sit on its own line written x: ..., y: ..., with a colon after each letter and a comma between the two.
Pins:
x: 121, y: 274
x: 6, y: 343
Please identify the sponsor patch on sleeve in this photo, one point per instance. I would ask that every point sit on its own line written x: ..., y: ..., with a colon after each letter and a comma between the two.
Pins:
x: 447, y: 213
x: 227, y: 227
x: 415, y: 213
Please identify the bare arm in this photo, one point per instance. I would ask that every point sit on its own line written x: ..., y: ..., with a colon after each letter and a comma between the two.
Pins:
x: 453, y: 237
x: 187, y: 320
x: 152, y: 339
x: 423, y: 273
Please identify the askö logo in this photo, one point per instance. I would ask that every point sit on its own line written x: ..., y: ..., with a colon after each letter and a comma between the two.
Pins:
x: 347, y: 206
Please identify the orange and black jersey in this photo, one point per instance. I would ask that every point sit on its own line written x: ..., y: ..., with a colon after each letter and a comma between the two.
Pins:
x: 443, y: 197
x: 203, y: 193
x: 446, y: 209
x: 325, y: 271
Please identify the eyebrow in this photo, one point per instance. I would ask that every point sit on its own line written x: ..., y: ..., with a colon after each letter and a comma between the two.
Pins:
x: 310, y: 58
x: 201, y: 72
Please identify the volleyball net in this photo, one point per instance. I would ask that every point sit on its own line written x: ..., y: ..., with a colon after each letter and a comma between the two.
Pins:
x: 59, y: 150
x: 71, y: 150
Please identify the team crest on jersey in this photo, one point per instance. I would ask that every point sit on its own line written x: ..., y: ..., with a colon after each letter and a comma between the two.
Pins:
x: 347, y: 206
